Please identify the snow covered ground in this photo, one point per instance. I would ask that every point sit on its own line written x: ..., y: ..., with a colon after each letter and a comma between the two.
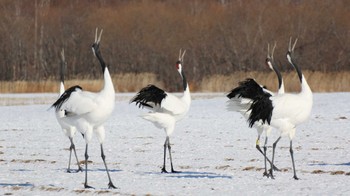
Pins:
x: 214, y: 149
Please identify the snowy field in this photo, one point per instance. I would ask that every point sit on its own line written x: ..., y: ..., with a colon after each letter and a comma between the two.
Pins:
x: 214, y: 149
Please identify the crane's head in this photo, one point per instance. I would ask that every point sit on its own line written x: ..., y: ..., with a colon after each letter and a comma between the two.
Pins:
x: 180, y: 61
x: 96, y: 50
x: 269, y: 58
x: 179, y: 66
x: 96, y: 45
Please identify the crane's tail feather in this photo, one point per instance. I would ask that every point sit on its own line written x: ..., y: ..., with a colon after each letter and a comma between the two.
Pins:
x: 150, y: 96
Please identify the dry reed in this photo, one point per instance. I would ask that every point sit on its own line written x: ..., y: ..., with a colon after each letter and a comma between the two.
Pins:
x: 318, y: 81
x: 131, y: 82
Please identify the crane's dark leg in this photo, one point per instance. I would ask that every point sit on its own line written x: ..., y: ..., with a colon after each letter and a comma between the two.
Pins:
x: 72, y: 147
x: 265, y: 157
x: 291, y: 154
x: 273, y: 156
x: 165, y: 146
x: 70, y: 154
x: 171, y: 161
x: 110, y: 183
x: 86, y: 168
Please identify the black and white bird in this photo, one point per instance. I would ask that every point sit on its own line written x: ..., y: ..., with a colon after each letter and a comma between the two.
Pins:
x: 88, y: 110
x: 166, y: 109
x: 284, y: 111
x: 68, y: 129
x: 241, y: 98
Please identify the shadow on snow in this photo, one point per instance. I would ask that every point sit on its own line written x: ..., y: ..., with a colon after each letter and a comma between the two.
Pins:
x: 90, y: 170
x: 327, y: 164
x: 208, y: 175
x: 17, y: 184
x: 189, y: 174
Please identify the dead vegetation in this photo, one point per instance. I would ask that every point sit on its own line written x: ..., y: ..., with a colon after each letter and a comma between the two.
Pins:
x: 31, y: 161
x: 131, y: 82
x: 225, y: 40
x: 318, y: 81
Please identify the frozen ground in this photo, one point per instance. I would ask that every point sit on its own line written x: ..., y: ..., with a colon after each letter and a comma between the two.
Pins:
x: 214, y: 149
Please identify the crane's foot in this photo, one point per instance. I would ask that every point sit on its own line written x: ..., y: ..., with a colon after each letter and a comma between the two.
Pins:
x: 80, y: 169
x: 266, y: 174
x: 111, y: 185
x: 295, y: 177
x: 164, y: 170
x: 88, y: 187
x: 173, y: 171
x: 271, y: 174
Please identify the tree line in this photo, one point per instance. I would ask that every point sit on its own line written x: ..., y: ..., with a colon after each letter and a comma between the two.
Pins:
x: 220, y: 36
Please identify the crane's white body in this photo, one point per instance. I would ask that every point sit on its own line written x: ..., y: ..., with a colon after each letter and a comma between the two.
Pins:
x: 242, y: 105
x: 171, y: 110
x: 291, y: 110
x: 88, y: 111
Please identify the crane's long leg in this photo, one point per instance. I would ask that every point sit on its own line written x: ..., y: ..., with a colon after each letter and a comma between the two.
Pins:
x: 265, y: 149
x: 110, y: 183
x: 171, y: 161
x: 86, y: 167
x: 165, y: 146
x: 264, y: 154
x: 70, y: 154
x: 291, y: 154
x: 72, y: 147
x: 273, y: 156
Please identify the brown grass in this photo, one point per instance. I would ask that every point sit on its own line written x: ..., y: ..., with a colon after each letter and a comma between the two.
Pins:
x: 318, y: 81
x: 131, y: 82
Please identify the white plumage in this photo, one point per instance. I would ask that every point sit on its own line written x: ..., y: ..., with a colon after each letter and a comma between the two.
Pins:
x: 88, y: 111
x: 166, y: 109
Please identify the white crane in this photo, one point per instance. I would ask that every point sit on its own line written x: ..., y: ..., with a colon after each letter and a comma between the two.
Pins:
x: 89, y: 110
x: 284, y: 111
x: 241, y: 98
x: 68, y: 129
x: 166, y: 108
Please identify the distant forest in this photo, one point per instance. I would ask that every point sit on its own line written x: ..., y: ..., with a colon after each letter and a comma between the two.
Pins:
x: 220, y: 36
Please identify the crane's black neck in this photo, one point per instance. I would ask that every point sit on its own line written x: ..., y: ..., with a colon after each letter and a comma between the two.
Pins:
x: 97, y: 51
x: 62, y: 71
x: 102, y: 62
x: 296, y: 67
x: 279, y: 76
x: 184, y: 81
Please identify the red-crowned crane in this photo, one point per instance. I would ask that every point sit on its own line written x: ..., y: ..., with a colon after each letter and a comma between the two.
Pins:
x: 68, y: 129
x: 241, y: 98
x: 89, y: 110
x: 166, y: 109
x: 284, y: 111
